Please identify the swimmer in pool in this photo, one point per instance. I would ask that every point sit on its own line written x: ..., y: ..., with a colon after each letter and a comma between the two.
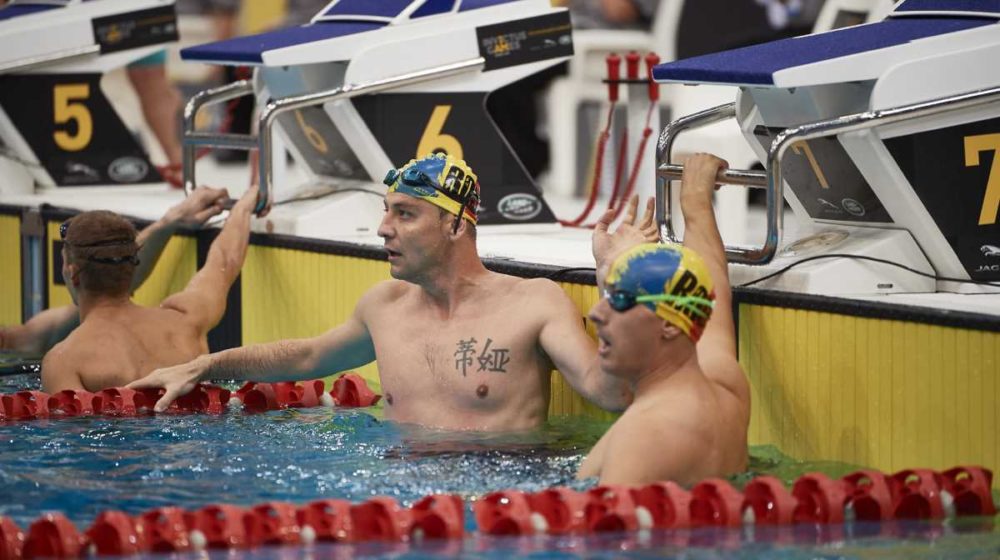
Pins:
x: 43, y: 331
x: 665, y: 326
x: 119, y: 341
x: 457, y: 346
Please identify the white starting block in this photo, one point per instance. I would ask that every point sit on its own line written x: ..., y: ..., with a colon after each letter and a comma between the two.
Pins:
x: 57, y: 128
x: 367, y: 86
x: 887, y: 133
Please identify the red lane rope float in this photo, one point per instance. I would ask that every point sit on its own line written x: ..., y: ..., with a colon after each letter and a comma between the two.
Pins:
x: 814, y: 498
x: 349, y: 390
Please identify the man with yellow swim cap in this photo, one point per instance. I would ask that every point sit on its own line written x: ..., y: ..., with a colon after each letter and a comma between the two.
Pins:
x: 457, y: 346
x: 665, y: 326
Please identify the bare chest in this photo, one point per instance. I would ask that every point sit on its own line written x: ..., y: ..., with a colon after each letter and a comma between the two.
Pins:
x: 481, y: 363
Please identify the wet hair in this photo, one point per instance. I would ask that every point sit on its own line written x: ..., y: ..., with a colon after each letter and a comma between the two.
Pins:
x: 103, y: 245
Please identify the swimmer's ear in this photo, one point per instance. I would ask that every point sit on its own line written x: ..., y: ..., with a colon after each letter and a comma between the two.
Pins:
x: 669, y: 331
x: 71, y: 274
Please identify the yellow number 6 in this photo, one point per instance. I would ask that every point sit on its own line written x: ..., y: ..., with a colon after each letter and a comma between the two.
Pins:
x: 313, y: 135
x: 66, y: 111
x: 433, y: 141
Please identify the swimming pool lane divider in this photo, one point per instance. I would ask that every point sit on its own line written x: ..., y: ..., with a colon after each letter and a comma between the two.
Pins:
x: 814, y: 498
x: 349, y: 390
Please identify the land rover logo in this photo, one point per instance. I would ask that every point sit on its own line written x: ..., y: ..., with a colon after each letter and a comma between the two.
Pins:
x: 519, y: 206
x: 128, y: 170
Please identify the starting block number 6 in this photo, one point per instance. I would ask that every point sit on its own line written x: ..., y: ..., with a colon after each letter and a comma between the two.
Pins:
x: 432, y: 140
x: 67, y: 106
x: 991, y: 202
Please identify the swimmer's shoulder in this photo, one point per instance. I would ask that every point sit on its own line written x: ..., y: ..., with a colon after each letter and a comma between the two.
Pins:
x: 387, y: 292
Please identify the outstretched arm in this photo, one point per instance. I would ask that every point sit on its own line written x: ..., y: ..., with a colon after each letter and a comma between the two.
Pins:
x: 41, y: 332
x: 204, y: 298
x: 345, y: 347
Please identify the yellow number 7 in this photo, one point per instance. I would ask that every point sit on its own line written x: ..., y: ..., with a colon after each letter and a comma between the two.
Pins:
x: 991, y: 202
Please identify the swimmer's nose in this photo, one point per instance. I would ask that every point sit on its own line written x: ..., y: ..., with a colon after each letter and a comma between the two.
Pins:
x: 384, y: 230
x: 598, y: 313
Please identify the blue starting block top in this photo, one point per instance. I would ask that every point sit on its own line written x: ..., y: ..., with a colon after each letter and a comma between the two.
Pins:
x: 17, y: 10
x: 758, y: 64
x: 339, y: 19
x: 954, y: 7
x: 251, y: 49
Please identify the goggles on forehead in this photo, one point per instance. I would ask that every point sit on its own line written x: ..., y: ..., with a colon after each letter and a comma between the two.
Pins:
x: 623, y: 300
x: 413, y: 177
x: 131, y: 259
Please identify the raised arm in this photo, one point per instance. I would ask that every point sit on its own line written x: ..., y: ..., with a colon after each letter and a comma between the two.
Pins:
x: 717, y: 347
x: 574, y: 353
x: 607, y: 245
x: 204, y: 298
x: 344, y: 347
x: 193, y: 211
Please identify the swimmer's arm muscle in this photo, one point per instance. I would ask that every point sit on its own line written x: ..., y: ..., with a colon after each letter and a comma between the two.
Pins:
x: 204, y: 298
x: 194, y: 210
x: 59, y: 374
x: 574, y: 353
x: 344, y: 347
x: 41, y: 332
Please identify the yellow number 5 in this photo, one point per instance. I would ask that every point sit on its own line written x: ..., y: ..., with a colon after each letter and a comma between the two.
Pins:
x: 991, y: 202
x: 433, y: 141
x: 66, y: 110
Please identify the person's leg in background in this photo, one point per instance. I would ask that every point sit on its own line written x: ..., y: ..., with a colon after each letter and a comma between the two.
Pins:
x: 160, y: 103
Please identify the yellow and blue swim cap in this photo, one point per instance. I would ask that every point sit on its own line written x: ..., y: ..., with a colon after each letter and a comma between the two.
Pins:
x: 442, y: 180
x: 674, y: 280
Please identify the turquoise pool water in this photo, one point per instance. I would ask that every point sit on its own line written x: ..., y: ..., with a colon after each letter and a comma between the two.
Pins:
x: 81, y: 466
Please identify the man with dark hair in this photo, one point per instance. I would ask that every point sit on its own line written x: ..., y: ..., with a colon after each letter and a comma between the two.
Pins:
x: 457, y: 346
x: 43, y: 331
x: 665, y: 326
x: 119, y: 341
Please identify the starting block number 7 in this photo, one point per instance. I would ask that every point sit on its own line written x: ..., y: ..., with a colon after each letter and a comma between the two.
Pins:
x: 991, y: 202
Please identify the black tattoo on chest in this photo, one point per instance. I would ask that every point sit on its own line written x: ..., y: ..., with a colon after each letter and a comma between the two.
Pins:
x: 469, y: 357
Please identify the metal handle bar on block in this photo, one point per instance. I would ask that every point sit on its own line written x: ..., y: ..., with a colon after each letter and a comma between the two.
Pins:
x: 278, y: 106
x: 753, y: 179
x: 665, y: 172
x: 786, y: 138
x: 193, y: 139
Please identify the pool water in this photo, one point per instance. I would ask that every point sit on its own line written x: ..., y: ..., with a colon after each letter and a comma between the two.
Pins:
x: 82, y: 466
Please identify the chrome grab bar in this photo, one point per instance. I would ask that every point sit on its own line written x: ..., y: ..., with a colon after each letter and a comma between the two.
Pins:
x: 753, y: 179
x: 193, y: 139
x: 276, y: 107
x: 781, y: 143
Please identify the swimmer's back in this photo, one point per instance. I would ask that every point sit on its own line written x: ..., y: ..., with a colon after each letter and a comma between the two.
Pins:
x: 115, y: 347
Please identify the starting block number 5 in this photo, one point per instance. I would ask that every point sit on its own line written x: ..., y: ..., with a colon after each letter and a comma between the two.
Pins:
x: 991, y: 202
x: 67, y: 106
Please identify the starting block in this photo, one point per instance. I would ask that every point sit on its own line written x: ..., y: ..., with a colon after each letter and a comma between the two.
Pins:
x: 883, y: 138
x: 57, y: 128
x: 367, y: 86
